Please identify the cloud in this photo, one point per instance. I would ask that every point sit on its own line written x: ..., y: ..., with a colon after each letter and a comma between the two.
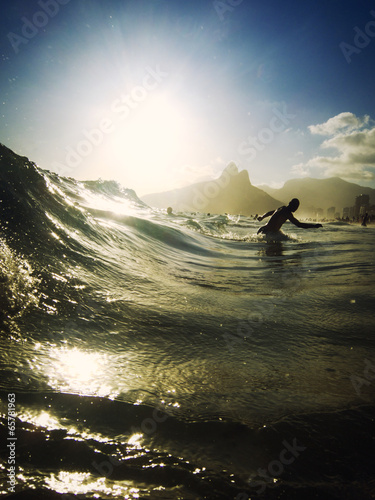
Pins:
x: 342, y: 122
x: 351, y: 145
x: 301, y: 170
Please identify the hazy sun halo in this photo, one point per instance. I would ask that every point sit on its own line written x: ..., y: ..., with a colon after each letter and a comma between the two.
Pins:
x: 152, y: 141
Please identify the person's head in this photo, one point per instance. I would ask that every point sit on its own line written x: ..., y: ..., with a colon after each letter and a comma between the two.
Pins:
x: 293, y: 204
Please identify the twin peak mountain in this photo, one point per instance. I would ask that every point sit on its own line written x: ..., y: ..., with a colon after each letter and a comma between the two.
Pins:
x: 231, y: 193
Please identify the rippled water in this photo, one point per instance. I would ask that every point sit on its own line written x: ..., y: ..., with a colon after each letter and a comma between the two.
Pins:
x: 156, y: 356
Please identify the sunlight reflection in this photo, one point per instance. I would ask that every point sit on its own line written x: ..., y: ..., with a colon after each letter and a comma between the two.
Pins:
x: 116, y: 204
x: 81, y: 483
x: 47, y: 421
x: 43, y: 419
x: 72, y: 370
x: 135, y: 440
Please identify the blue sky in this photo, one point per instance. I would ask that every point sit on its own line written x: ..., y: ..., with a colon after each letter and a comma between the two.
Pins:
x: 158, y: 94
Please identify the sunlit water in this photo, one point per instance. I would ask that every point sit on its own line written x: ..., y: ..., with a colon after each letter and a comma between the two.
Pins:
x: 157, y: 356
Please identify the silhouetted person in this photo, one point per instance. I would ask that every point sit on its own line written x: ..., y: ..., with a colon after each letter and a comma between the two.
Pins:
x: 280, y: 216
x: 365, y: 219
x: 169, y: 211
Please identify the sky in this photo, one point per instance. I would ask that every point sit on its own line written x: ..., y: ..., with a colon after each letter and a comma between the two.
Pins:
x: 158, y: 94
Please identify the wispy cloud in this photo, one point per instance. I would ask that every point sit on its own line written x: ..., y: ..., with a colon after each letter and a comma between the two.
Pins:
x: 301, y: 170
x: 351, y: 142
x: 341, y: 122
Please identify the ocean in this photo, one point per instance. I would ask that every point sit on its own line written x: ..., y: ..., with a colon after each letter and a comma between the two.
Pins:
x: 154, y: 356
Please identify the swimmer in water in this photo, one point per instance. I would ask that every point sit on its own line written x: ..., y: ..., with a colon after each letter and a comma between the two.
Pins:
x: 280, y: 216
x: 365, y: 219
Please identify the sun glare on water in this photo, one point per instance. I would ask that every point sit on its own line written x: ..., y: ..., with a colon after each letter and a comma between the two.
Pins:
x: 80, y: 483
x: 76, y: 371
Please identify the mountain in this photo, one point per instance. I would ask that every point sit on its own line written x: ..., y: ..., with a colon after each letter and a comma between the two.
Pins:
x: 320, y: 193
x: 231, y: 193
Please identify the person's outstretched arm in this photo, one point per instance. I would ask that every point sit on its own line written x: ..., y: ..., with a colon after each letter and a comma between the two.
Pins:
x: 268, y: 214
x: 304, y: 225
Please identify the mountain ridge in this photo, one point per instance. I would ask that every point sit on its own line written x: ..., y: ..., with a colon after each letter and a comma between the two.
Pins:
x: 232, y: 192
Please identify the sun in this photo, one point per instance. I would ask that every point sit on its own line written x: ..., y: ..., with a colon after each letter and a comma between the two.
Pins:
x: 152, y: 141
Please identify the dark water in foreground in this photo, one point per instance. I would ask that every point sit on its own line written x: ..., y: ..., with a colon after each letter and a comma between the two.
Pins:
x: 180, y: 357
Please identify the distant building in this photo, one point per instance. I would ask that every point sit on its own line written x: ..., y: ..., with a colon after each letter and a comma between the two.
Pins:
x: 331, y: 212
x: 346, y: 212
x: 362, y: 204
